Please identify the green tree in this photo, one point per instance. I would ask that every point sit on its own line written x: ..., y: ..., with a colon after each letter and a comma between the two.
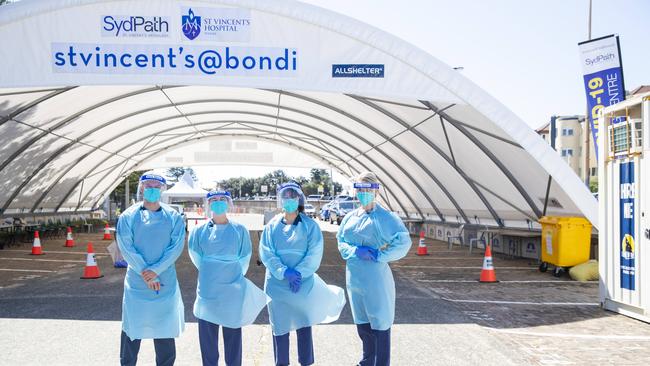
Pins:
x: 175, y: 173
x: 118, y: 193
x: 318, y: 175
x: 593, y: 185
x: 310, y: 188
x: 242, y: 187
x: 302, y: 180
x: 274, y: 179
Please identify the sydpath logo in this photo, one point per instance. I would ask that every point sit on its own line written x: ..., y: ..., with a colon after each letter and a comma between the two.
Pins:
x: 135, y: 26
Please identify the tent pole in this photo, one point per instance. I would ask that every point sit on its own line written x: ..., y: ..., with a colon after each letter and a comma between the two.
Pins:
x: 126, y: 192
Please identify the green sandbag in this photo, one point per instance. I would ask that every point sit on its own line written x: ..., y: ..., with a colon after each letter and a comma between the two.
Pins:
x: 587, y: 271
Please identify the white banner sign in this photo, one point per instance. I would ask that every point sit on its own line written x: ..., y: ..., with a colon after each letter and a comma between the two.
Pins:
x: 168, y: 42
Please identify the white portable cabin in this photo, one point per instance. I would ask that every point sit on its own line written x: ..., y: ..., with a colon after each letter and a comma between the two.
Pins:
x: 624, y: 235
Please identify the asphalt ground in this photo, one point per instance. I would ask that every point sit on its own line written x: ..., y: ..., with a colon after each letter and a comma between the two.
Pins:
x: 48, y: 315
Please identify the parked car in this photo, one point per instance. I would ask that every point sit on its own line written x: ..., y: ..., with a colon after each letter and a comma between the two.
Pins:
x: 310, y: 210
x: 314, y: 197
x: 341, y: 208
x: 343, y: 197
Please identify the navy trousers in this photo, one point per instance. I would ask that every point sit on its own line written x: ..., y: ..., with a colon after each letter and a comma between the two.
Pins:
x: 209, y: 341
x: 165, y: 351
x: 376, y: 346
x: 305, y: 348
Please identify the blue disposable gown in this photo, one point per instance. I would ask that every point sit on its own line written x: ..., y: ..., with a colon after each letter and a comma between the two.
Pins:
x: 298, y: 246
x: 370, y: 285
x: 224, y: 296
x: 151, y: 240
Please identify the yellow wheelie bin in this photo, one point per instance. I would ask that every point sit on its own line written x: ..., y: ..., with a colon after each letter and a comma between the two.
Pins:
x: 566, y: 242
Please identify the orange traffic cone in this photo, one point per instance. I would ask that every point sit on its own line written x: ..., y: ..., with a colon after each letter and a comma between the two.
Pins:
x: 107, y: 233
x: 422, y: 248
x: 69, y: 242
x: 92, y: 270
x: 36, y: 247
x: 488, y: 274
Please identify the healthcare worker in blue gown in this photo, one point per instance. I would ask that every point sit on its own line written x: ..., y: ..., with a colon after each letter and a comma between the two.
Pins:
x: 368, y: 239
x: 221, y: 251
x: 151, y: 236
x: 291, y: 248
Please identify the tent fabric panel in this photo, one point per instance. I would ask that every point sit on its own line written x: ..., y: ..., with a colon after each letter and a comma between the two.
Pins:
x: 479, y: 167
x: 441, y: 169
x: 48, y: 113
x: 43, y: 178
x: 112, y: 111
x: 15, y: 99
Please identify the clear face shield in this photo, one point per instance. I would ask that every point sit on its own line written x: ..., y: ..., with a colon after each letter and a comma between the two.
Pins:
x: 150, y: 187
x: 366, y: 193
x: 290, y: 197
x: 218, y: 203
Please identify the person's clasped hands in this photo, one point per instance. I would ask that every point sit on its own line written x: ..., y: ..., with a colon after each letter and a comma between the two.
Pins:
x: 366, y: 253
x: 151, y: 278
x: 295, y: 279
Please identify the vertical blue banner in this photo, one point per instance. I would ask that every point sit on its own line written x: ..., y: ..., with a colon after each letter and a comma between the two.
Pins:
x: 627, y: 215
x: 603, y: 78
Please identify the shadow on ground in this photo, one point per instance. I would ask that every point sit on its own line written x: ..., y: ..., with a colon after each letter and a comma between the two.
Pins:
x: 434, y: 289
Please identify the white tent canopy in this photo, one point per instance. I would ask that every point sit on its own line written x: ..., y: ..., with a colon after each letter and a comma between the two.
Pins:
x: 185, y: 188
x: 280, y: 72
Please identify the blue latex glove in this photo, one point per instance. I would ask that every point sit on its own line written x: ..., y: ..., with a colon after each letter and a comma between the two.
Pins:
x: 295, y: 286
x: 294, y: 277
x: 366, y: 253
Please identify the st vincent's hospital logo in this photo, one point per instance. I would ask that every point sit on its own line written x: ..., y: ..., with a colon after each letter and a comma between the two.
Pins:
x: 216, y: 24
x: 191, y: 25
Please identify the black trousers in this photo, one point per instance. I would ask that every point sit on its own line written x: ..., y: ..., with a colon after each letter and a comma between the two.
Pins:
x: 305, y: 348
x: 165, y: 351
x: 209, y: 341
x: 376, y: 346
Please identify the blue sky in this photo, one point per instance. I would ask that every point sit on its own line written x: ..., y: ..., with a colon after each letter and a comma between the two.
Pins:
x: 523, y: 52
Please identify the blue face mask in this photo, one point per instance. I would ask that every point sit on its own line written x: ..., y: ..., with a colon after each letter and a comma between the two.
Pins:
x: 152, y: 194
x: 290, y: 204
x: 365, y: 198
x: 219, y: 207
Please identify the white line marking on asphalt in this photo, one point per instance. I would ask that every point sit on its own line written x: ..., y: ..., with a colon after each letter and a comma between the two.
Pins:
x: 25, y: 270
x: 455, y: 258
x: 520, y: 268
x: 53, y: 252
x: 43, y: 260
x: 58, y: 296
x: 582, y: 336
x: 523, y: 302
x: 514, y: 281
x: 464, y: 267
